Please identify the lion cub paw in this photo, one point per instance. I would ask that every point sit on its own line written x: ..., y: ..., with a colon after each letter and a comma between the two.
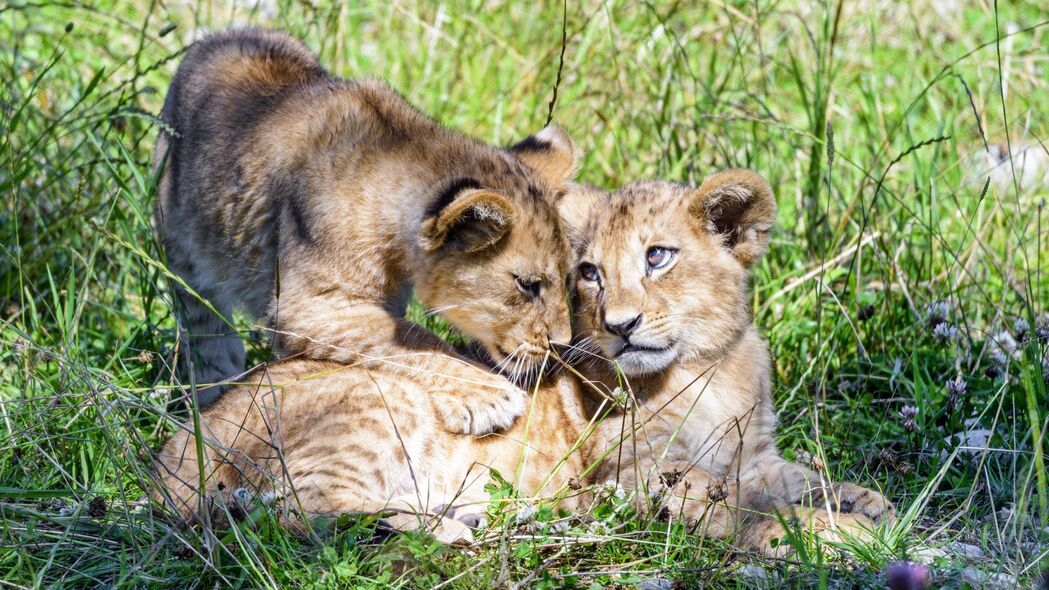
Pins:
x: 446, y: 530
x: 481, y: 413
x: 855, y: 499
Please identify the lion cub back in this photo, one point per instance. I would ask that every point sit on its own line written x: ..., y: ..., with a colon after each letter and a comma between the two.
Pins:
x: 321, y: 203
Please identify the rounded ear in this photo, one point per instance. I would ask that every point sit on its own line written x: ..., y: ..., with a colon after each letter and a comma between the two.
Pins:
x: 576, y: 206
x: 474, y: 220
x: 739, y: 206
x: 550, y: 153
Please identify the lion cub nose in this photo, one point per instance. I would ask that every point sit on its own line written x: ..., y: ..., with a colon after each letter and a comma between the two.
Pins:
x: 622, y: 325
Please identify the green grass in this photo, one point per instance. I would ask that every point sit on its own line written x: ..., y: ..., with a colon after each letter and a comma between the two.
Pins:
x: 872, y: 124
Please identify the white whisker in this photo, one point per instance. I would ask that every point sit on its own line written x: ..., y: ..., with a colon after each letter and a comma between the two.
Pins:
x: 437, y: 310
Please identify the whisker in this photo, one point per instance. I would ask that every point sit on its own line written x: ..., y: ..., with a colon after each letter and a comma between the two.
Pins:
x: 437, y: 310
x: 503, y: 363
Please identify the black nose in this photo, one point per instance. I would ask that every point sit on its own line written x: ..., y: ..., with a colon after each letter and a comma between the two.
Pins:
x: 624, y: 329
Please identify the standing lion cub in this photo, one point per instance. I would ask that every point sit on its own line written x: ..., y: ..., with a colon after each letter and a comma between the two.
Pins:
x: 321, y: 202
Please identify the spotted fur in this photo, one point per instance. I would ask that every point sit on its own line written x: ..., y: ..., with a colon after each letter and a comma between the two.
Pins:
x: 326, y: 439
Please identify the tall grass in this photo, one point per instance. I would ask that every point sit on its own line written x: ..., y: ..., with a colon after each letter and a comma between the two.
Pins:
x: 909, y: 252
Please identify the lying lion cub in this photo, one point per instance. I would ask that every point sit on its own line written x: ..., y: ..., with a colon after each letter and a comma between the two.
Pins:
x: 662, y: 292
x: 321, y: 202
x: 331, y: 438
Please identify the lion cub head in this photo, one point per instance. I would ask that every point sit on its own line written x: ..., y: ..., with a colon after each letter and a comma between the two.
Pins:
x: 662, y: 268
x: 494, y: 255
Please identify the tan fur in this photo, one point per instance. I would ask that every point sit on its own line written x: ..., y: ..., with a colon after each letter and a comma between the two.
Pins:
x: 704, y: 421
x: 330, y: 439
x: 333, y: 439
x: 320, y: 203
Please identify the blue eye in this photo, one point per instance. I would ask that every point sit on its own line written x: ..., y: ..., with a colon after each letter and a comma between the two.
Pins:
x: 659, y: 257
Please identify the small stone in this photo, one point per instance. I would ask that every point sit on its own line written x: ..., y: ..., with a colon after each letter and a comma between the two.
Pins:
x: 966, y: 550
x: 928, y: 555
x: 986, y: 580
x: 656, y: 584
x: 757, y: 576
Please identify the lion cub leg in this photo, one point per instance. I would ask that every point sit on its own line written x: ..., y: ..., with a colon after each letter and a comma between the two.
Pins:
x: 447, y: 530
x: 791, y: 483
x: 401, y: 513
x: 767, y: 533
x: 468, y: 398
x: 214, y: 351
x: 855, y: 499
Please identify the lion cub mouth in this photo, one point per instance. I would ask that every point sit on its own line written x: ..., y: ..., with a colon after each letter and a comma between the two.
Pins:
x: 638, y: 348
x: 638, y: 359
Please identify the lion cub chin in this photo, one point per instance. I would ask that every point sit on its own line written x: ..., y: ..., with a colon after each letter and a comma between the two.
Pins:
x: 320, y: 203
x: 662, y: 288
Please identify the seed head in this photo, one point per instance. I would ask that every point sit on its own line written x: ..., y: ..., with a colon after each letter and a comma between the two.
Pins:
x: 717, y: 490
x: 621, y: 398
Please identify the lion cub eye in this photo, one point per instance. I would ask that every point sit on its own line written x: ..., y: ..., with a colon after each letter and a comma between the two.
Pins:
x: 530, y: 286
x: 588, y: 272
x: 659, y: 257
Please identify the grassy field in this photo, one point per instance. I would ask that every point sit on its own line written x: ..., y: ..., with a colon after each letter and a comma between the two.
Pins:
x: 904, y: 296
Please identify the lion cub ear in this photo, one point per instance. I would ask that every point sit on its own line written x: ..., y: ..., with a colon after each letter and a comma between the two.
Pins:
x: 739, y: 206
x: 474, y: 220
x: 550, y: 153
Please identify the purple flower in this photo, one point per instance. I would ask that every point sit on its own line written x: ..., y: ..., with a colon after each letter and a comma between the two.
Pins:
x: 1020, y: 328
x: 944, y: 332
x: 1042, y: 332
x: 908, y: 413
x: 955, y: 389
x: 956, y: 386
x: 906, y: 575
x: 936, y: 313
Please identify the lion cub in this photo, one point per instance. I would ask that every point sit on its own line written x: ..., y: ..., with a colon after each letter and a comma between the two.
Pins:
x: 662, y: 290
x: 330, y: 439
x: 321, y: 202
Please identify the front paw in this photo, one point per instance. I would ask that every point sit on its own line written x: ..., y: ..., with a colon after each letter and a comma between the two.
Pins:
x: 482, y: 413
x: 855, y: 499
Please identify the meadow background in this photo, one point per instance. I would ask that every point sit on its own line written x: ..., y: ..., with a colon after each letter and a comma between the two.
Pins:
x: 909, y: 253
